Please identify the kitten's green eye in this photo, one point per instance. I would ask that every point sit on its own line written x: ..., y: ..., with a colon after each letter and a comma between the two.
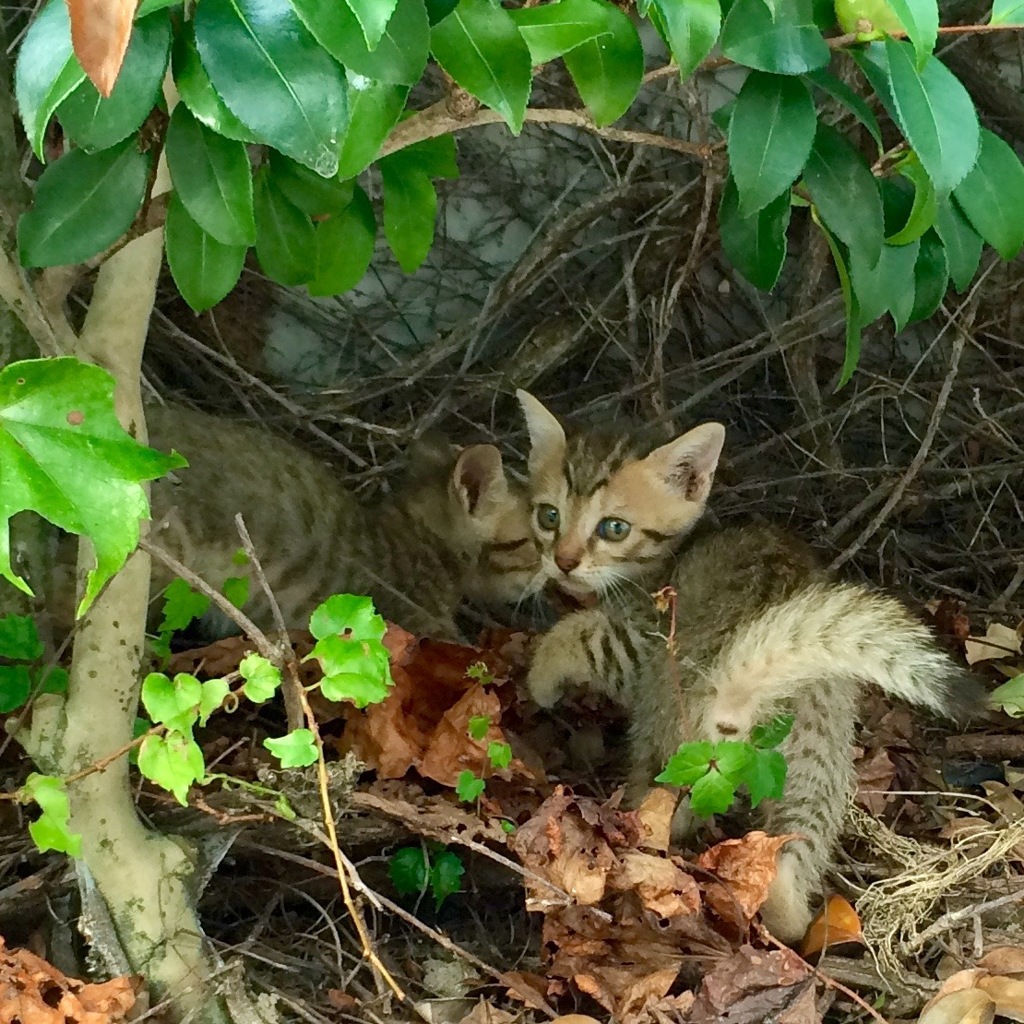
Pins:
x: 613, y: 529
x: 548, y: 517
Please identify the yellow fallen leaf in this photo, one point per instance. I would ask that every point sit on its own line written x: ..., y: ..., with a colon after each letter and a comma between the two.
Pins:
x: 836, y: 923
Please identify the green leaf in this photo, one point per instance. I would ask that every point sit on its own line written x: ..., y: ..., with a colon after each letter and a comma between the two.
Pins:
x: 357, y: 671
x: 931, y: 274
x: 344, y: 247
x: 438, y: 10
x: 992, y: 196
x: 852, y: 354
x: 478, y: 726
x: 756, y: 246
x: 274, y: 77
x: 924, y: 211
x: 930, y: 106
x: 66, y: 456
x: 711, y: 794
x: 373, y: 18
x: 435, y: 157
x: 296, y: 750
x: 95, y: 123
x: 182, y: 605
x: 689, y: 28
x: 52, y: 829
x: 401, y: 54
x: 19, y: 638
x: 47, y: 71
x: 787, y: 44
x: 445, y: 876
x: 15, y: 686
x: 285, y: 237
x: 173, y: 762
x: 732, y: 757
x: 921, y: 20
x: 354, y: 618
x: 771, y: 734
x: 375, y: 110
x: 204, y: 269
x: 846, y: 194
x: 770, y: 137
x: 236, y: 590
x: 410, y: 209
x: 1009, y: 697
x: 689, y: 763
x: 148, y: 7
x: 499, y: 754
x: 842, y: 93
x: 479, y: 672
x: 173, y: 703
x: 479, y: 45
x: 197, y: 91
x: 262, y: 679
x: 212, y: 178
x: 305, y: 189
x: 83, y: 203
x: 766, y: 776
x: 885, y: 286
x: 408, y: 871
x: 1007, y: 12
x: 212, y: 696
x: 53, y: 679
x: 508, y: 827
x: 553, y: 29
x: 963, y: 244
x: 468, y: 787
x: 608, y: 71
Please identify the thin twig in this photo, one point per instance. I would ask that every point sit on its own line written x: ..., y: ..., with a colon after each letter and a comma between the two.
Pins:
x: 955, y: 917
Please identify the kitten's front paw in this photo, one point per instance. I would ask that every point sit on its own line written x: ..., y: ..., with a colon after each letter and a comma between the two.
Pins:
x: 544, y: 686
x: 552, y: 669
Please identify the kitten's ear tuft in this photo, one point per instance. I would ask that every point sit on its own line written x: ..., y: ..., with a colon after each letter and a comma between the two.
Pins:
x: 688, y: 463
x: 547, y: 438
x: 479, y: 478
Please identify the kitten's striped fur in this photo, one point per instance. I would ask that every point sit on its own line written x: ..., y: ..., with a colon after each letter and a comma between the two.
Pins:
x: 759, y: 629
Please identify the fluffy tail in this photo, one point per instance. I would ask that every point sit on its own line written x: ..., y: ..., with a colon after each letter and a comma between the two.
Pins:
x: 834, y: 634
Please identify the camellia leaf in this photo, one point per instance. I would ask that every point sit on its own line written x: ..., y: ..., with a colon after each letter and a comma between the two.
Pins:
x: 410, y: 209
x: 95, y: 123
x: 771, y: 133
x: 344, y: 247
x: 296, y: 750
x: 551, y: 30
x: 285, y: 237
x: 373, y: 17
x: 262, y: 679
x: 408, y: 871
x: 931, y: 274
x: 204, y: 269
x: 479, y: 45
x: 842, y: 93
x: 173, y: 762
x: 992, y: 196
x: 83, y: 203
x: 690, y: 29
x: 47, y: 71
x: 52, y: 830
x: 313, y: 195
x: 786, y: 43
x: 212, y: 178
x: 609, y: 70
x: 274, y: 77
x: 924, y: 210
x: 19, y: 638
x: 963, y: 244
x: 921, y: 20
x: 375, y: 110
x: 853, y: 320
x: 1007, y: 12
x: 66, y: 457
x: 347, y: 615
x: 755, y: 246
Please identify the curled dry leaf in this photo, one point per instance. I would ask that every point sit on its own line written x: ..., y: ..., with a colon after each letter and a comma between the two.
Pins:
x: 967, y: 1006
x: 1007, y: 994
x: 655, y: 815
x: 626, y: 994
x: 1007, y: 960
x: 837, y: 923
x: 100, y: 30
x: 664, y: 888
x: 998, y: 642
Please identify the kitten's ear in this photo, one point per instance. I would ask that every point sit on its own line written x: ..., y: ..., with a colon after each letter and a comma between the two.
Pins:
x: 547, y: 438
x: 688, y: 463
x: 479, y: 479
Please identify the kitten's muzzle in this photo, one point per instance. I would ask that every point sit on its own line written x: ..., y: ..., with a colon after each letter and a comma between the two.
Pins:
x: 567, y: 561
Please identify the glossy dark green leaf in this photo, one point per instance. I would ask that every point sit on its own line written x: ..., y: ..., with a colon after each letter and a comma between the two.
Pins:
x: 922, y: 213
x: 770, y: 137
x: 197, y: 91
x: 47, y: 71
x: 921, y: 20
x: 888, y: 285
x: 95, y: 123
x: 344, y: 247
x: 399, y: 57
x: 212, y: 177
x: 851, y: 355
x: 305, y: 189
x: 410, y: 210
x: 553, y: 29
x: 755, y: 246
x: 992, y: 196
x: 438, y: 10
x: 786, y: 44
x: 609, y: 70
x: 845, y: 193
x: 434, y: 157
x: 857, y: 105
x: 148, y: 7
x: 931, y: 275
x: 84, y: 202
x: 375, y: 110
x: 479, y: 45
x: 285, y: 237
x: 963, y: 244
x: 204, y: 269
x: 721, y: 116
x: 372, y: 16
x: 690, y: 29
x: 275, y: 77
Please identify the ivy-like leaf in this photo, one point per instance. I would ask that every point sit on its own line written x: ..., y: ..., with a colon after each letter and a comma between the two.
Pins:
x: 408, y: 871
x: 354, y: 670
x: 354, y: 618
x: 52, y: 829
x: 712, y: 793
x: 19, y: 638
x: 295, y: 750
x: 689, y: 763
x: 262, y: 679
x: 236, y: 590
x: 15, y: 686
x: 173, y: 703
x: 992, y: 196
x: 499, y: 754
x: 211, y: 697
x: 182, y: 605
x: 771, y: 734
x: 478, y: 726
x: 173, y: 762
x: 468, y: 787
x: 344, y: 247
x: 445, y: 876
x: 765, y: 777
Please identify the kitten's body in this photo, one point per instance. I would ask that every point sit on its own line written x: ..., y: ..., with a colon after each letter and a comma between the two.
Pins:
x: 456, y: 530
x: 758, y: 629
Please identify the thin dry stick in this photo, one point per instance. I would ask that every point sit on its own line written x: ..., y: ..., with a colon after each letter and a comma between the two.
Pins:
x: 955, y: 917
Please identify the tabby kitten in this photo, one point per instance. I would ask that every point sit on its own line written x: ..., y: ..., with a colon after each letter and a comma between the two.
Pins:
x: 456, y: 528
x: 759, y: 629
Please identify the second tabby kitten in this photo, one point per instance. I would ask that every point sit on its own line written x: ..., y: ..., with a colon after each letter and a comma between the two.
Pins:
x: 759, y: 629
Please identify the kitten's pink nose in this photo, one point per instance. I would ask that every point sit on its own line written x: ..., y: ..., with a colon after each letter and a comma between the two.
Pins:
x: 566, y: 562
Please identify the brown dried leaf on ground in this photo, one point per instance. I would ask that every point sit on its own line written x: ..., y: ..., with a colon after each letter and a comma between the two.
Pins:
x: 1007, y: 960
x: 625, y: 993
x: 977, y: 995
x: 745, y: 868
x: 664, y: 888
x: 875, y: 774
x: 836, y: 924
x: 999, y: 642
x: 656, y: 813
x: 966, y: 1006
x: 33, y: 991
x: 100, y: 30
x: 485, y: 1013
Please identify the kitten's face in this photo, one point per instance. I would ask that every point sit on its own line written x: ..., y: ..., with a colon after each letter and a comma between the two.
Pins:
x: 604, y: 514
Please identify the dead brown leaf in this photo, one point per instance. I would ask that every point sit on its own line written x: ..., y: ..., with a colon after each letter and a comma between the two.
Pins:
x: 1007, y: 994
x: 485, y: 1013
x: 100, y: 30
x: 625, y: 994
x: 664, y: 888
x: 837, y: 923
x: 745, y: 868
x: 875, y: 774
x: 656, y: 814
x: 338, y: 999
x: 966, y: 1006
x: 998, y: 642
x: 1007, y: 960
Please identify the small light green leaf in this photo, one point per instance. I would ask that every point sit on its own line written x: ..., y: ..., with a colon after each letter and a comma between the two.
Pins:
x: 766, y: 776
x: 690, y: 28
x: 19, y: 638
x: 1009, y: 697
x: 771, y: 734
x: 212, y: 696
x: 1007, y: 12
x: 182, y: 605
x: 842, y: 93
x: 481, y: 673
x: 713, y: 793
x: 346, y: 615
x: 478, y: 726
x: 344, y: 247
x: 553, y: 29
x: 52, y: 830
x: 788, y: 43
x: 285, y: 237
x: 756, y: 246
x: 375, y: 110
x: 173, y: 762
x: 313, y: 195
x: 508, y: 827
x: 410, y: 209
x: 931, y: 275
x: 236, y: 590
x: 262, y: 679
x: 373, y: 17
x: 468, y: 787
x: 83, y: 203
x: 924, y: 211
x: 499, y: 754
x: 688, y: 764
x: 770, y: 137
x: 445, y: 876
x: 354, y: 670
x: 963, y: 244
x: 15, y: 686
x: 296, y: 750
x: 173, y: 703
x: 992, y: 196
x: 479, y: 45
x: 732, y: 757
x: 408, y: 871
x: 921, y: 20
